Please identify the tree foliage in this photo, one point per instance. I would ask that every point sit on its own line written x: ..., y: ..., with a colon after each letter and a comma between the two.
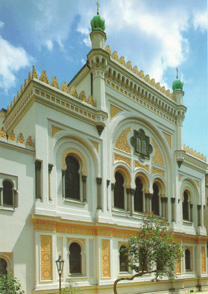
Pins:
x: 70, y: 288
x: 153, y: 250
x: 10, y: 285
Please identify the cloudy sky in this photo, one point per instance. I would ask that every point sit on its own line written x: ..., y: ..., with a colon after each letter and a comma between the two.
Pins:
x: 155, y: 35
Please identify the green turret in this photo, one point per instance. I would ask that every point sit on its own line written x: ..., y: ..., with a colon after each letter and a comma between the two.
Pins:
x: 177, y: 84
x: 98, y: 23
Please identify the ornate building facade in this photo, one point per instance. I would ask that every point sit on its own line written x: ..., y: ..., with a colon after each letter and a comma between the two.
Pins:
x: 81, y: 163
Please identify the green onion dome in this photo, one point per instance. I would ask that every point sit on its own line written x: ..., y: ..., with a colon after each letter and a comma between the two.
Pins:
x: 98, y: 23
x: 177, y: 85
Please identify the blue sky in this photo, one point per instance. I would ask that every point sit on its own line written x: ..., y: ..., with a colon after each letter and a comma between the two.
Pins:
x: 155, y: 35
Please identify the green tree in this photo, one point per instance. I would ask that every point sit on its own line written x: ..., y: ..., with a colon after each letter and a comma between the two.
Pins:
x: 10, y: 285
x: 70, y: 288
x: 153, y: 250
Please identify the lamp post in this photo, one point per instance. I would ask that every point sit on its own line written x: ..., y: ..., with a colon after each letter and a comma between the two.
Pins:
x: 60, y: 265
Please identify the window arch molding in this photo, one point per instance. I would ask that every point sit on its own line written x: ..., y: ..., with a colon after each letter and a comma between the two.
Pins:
x: 8, y: 257
x: 144, y: 177
x: 190, y: 187
x: 78, y: 155
x: 141, y: 188
x: 81, y: 244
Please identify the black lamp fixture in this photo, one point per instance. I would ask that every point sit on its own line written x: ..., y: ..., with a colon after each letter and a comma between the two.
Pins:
x: 60, y: 266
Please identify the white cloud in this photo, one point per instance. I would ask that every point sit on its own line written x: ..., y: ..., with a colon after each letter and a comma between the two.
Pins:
x: 200, y: 21
x: 12, y: 59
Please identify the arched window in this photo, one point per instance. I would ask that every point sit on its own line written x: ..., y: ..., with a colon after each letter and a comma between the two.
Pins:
x: 155, y: 199
x: 3, y: 266
x: 75, y: 259
x: 138, y: 196
x: 72, y: 178
x: 119, y: 191
x: 7, y: 193
x: 123, y: 259
x: 187, y: 259
x: 185, y: 205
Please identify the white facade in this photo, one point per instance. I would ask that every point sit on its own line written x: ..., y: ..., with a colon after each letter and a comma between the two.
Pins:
x: 94, y: 120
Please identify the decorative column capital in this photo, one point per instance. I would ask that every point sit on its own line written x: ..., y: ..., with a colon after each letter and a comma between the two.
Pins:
x: 108, y: 182
x: 50, y: 167
x: 112, y: 186
x: 148, y: 195
x: 38, y: 164
x: 84, y: 178
x: 99, y: 180
x: 172, y: 200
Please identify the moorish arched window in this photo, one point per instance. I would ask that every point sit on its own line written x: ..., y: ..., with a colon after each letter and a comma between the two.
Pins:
x: 72, y: 178
x: 187, y: 259
x: 185, y: 205
x: 3, y: 267
x: 119, y: 191
x: 138, y: 196
x: 7, y: 193
x: 155, y: 199
x: 123, y: 259
x: 75, y: 258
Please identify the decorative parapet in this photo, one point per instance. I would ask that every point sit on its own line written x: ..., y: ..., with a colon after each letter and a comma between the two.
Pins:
x: 11, y: 138
x: 139, y: 73
x: 194, y: 153
x: 54, y: 83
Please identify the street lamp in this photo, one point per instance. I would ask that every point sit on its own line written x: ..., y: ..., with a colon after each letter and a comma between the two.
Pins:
x: 60, y: 265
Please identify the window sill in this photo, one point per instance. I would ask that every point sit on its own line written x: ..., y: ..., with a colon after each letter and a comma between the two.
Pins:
x: 69, y: 200
x: 187, y: 223
x: 120, y: 212
x: 5, y: 208
x: 77, y: 276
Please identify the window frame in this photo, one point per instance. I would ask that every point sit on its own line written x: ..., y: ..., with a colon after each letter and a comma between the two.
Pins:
x: 14, y: 182
x: 82, y: 254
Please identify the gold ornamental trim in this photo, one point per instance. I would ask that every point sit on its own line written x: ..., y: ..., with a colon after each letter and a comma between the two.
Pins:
x: 157, y: 158
x: 46, y: 266
x: 118, y: 157
x: 122, y: 143
x: 105, y: 258
x: 114, y: 111
x: 203, y: 260
x: 168, y: 138
x: 55, y: 130
x: 158, y: 171
x: 76, y: 153
x: 138, y: 165
x: 95, y: 144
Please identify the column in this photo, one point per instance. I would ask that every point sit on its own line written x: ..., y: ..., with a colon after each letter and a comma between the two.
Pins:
x: 107, y: 183
x: 173, y: 209
x: 84, y: 185
x: 15, y: 198
x: 1, y: 196
x: 166, y: 208
x: 162, y: 206
x: 191, y: 212
x: 63, y: 183
x: 99, y: 194
x: 38, y: 179
x: 50, y: 167
x: 131, y: 194
x: 148, y: 202
x: 112, y: 195
x: 199, y: 214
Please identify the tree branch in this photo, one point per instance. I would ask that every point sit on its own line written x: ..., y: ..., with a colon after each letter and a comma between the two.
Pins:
x: 129, y: 279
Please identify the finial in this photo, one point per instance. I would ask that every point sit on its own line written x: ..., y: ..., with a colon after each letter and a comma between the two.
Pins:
x: 176, y: 73
x: 98, y: 5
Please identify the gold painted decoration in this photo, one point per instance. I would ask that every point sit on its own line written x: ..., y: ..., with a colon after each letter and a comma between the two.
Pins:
x: 115, y: 55
x: 158, y: 171
x: 54, y: 83
x: 135, y: 70
x: 203, y: 260
x: 168, y: 138
x: 122, y: 143
x: 129, y: 65
x: 83, y: 96
x: 105, y: 258
x: 141, y: 74
x: 74, y: 92
x: 34, y: 73
x: 55, y: 130
x: 91, y: 101
x: 157, y: 158
x: 21, y: 139
x: 163, y: 89
x: 65, y: 88
x: 95, y: 144
x: 46, y: 265
x: 178, y: 267
x: 12, y: 136
x: 118, y: 157
x: 30, y: 142
x: 152, y: 82
x: 147, y: 78
x: 114, y: 111
x: 138, y: 165
x: 3, y: 133
x: 180, y: 177
x: 122, y: 60
x: 107, y: 49
x: 158, y: 86
x: 44, y: 77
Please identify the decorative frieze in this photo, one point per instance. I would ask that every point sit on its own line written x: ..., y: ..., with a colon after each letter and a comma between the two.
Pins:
x: 157, y: 158
x: 119, y: 157
x: 139, y: 165
x: 168, y: 138
x: 114, y: 110
x: 158, y: 171
x: 194, y: 153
